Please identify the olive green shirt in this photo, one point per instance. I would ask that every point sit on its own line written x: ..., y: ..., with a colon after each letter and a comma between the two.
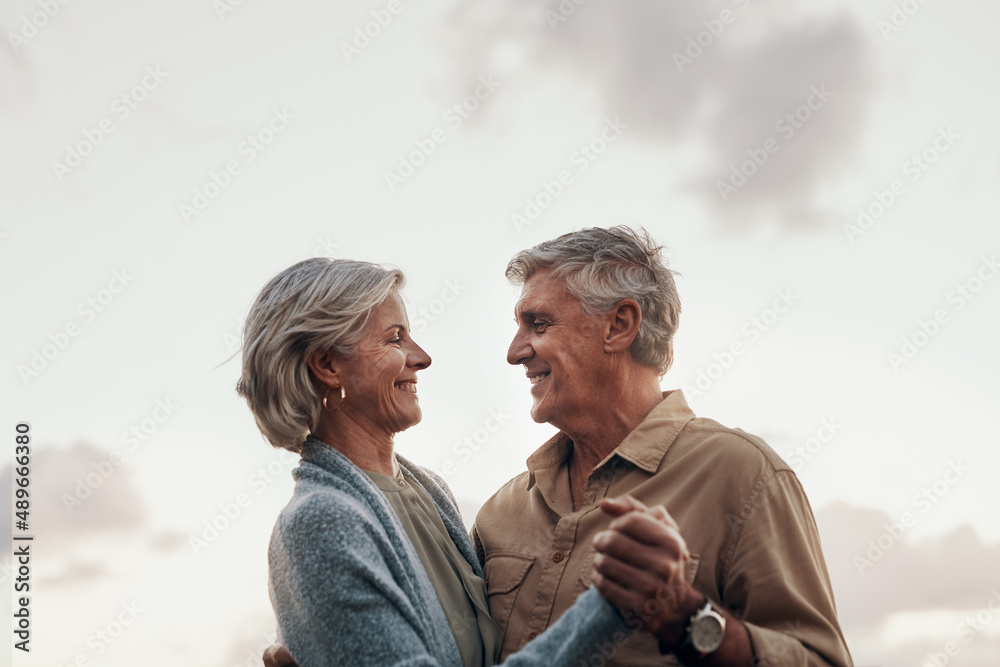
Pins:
x: 462, y: 594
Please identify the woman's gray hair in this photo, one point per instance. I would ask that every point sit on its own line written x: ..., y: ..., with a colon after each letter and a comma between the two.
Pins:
x: 316, y: 305
x: 603, y: 266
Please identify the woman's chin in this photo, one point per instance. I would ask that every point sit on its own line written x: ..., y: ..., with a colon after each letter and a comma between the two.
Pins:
x: 410, y: 420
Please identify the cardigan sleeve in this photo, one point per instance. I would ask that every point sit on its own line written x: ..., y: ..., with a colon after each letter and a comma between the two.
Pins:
x: 335, y: 600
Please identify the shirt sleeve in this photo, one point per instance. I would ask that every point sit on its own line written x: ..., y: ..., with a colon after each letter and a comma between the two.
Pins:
x: 778, y: 584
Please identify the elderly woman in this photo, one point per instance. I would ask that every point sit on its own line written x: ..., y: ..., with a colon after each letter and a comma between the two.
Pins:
x: 369, y: 563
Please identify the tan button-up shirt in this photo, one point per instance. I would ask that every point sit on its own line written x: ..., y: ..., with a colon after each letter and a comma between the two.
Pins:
x: 745, y: 518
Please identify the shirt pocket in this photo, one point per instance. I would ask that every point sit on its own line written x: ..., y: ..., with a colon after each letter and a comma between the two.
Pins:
x: 505, y: 572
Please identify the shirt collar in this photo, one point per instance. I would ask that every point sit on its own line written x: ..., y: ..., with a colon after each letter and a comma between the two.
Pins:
x: 644, y: 447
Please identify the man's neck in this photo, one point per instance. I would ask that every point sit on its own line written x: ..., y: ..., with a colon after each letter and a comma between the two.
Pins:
x: 605, y: 430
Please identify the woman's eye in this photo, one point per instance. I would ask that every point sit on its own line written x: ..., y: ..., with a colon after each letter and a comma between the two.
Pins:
x: 396, y: 341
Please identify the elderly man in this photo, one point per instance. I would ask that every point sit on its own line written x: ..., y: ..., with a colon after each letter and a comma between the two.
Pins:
x: 739, y: 577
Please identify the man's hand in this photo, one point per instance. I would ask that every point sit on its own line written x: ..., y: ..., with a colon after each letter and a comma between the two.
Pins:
x: 639, y: 567
x: 276, y: 655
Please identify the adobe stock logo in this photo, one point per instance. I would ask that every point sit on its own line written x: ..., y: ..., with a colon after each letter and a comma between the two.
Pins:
x: 121, y: 107
x: 924, y: 501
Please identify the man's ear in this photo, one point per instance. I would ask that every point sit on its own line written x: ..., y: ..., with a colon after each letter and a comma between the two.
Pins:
x: 622, y: 326
x: 324, y: 365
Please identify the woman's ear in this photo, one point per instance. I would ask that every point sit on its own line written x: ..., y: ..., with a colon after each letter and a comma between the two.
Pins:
x: 623, y: 326
x: 324, y: 365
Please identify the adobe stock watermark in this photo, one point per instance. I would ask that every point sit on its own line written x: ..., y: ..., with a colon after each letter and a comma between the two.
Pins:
x: 34, y: 23
x: 914, y: 168
x: 797, y: 458
x: 786, y: 126
x: 248, y: 150
x: 923, y: 502
x: 326, y: 247
x: 472, y: 442
x: 365, y: 33
x: 436, y: 307
x: 131, y: 439
x: 702, y: 41
x: 899, y: 16
x: 564, y: 10
x: 453, y: 118
x: 105, y: 636
x: 121, y: 108
x: 966, y: 630
x: 584, y: 156
x: 751, y: 330
x: 225, y: 7
x: 927, y: 329
x: 229, y: 511
x: 87, y: 310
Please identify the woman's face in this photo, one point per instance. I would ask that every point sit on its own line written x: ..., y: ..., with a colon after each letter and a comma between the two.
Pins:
x: 381, y: 378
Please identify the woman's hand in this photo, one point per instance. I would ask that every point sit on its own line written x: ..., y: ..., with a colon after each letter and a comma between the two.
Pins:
x: 639, y: 568
x: 276, y: 655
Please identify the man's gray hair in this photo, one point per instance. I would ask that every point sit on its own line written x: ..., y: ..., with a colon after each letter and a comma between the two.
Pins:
x: 316, y: 305
x: 603, y: 266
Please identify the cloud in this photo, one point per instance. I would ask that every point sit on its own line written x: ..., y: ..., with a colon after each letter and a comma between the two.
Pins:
x: 725, y: 101
x: 956, y: 571
x: 78, y: 492
x: 75, y: 572
x: 78, y: 499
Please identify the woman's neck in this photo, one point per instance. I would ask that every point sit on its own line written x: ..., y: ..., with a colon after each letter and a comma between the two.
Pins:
x: 369, y: 451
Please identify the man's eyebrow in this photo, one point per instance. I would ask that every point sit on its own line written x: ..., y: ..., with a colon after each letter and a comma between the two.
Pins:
x: 529, y: 314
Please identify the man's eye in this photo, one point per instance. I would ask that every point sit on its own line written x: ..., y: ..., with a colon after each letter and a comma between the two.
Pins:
x: 539, y: 326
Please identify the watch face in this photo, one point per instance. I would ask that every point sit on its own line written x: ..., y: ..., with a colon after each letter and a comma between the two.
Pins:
x: 706, y: 634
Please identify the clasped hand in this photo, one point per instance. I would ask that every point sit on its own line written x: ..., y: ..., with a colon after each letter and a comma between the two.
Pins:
x: 639, y: 568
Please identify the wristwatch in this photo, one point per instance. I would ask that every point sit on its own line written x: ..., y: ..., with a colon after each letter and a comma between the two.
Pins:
x: 705, y: 630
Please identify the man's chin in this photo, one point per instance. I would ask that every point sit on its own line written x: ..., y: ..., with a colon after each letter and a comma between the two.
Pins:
x: 538, y: 415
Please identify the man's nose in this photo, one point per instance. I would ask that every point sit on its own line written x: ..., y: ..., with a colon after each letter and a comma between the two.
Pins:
x: 519, y: 350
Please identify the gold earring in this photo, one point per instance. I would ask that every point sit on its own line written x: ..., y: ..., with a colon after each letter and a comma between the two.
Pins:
x: 343, y: 395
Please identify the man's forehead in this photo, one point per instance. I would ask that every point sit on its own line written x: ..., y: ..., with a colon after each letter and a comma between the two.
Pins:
x: 542, y: 293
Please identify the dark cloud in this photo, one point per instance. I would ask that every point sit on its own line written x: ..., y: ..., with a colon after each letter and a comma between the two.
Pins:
x: 726, y: 101
x: 956, y: 571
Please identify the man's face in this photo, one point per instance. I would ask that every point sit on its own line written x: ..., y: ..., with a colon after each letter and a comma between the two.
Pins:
x: 562, y: 352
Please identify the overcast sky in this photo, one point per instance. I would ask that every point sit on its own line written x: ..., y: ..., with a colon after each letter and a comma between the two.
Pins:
x: 823, y: 176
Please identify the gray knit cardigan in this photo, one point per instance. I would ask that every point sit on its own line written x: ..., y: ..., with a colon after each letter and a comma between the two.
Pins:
x: 348, y: 589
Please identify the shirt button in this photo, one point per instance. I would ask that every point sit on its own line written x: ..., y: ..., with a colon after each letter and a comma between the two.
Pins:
x: 532, y: 635
x: 557, y: 556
